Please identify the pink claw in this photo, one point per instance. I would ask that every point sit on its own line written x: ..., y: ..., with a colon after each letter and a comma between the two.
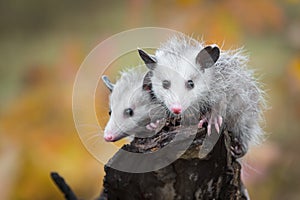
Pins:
x: 220, y: 120
x: 216, y: 121
x: 217, y: 125
x: 154, y: 126
x: 209, y: 127
x: 149, y: 127
x: 208, y: 130
x: 201, y: 122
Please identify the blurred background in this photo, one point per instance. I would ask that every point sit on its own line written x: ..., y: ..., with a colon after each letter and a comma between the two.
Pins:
x: 43, y: 43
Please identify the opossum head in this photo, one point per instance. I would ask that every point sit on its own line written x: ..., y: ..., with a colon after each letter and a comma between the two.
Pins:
x: 181, y: 78
x: 129, y: 105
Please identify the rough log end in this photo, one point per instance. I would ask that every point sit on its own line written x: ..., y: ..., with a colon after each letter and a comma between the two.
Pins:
x: 216, y: 176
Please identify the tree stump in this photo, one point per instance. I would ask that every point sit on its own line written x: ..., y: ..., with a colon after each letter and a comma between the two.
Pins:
x: 217, y: 176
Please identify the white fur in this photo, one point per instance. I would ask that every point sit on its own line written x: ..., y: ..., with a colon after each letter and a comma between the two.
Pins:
x: 128, y: 93
x: 227, y: 88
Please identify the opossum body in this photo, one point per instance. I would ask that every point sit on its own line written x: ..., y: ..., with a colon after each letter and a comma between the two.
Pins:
x: 191, y: 78
x: 132, y: 107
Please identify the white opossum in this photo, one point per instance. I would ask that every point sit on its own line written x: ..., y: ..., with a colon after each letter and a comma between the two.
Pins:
x: 133, y: 110
x: 191, y: 78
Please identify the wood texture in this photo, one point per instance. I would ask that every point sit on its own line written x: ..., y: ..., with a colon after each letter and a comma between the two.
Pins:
x: 217, y: 176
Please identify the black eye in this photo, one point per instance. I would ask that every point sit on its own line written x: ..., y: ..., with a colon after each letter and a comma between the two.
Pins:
x: 189, y: 84
x: 128, y: 112
x: 109, y: 112
x: 166, y: 84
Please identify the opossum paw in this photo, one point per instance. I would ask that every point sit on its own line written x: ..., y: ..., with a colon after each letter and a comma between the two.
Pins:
x: 153, y: 126
x: 217, y: 121
x: 201, y: 122
x: 238, y: 149
x: 148, y: 127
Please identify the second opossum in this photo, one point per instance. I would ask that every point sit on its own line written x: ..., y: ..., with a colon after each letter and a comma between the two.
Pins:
x: 133, y: 110
x: 191, y: 78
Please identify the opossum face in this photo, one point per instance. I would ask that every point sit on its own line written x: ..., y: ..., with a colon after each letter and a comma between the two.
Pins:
x: 178, y: 89
x: 128, y: 103
x: 179, y: 79
x: 126, y: 113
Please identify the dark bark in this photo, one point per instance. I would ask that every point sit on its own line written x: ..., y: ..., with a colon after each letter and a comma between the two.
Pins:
x: 217, y: 176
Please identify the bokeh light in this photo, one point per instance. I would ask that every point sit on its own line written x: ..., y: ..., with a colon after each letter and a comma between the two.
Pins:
x: 43, y: 44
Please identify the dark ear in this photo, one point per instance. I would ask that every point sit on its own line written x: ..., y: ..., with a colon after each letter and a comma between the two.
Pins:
x: 107, y: 82
x: 149, y: 60
x: 147, y: 85
x: 208, y: 56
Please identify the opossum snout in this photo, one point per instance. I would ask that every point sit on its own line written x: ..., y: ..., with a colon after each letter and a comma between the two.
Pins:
x: 176, y: 108
x: 110, y: 136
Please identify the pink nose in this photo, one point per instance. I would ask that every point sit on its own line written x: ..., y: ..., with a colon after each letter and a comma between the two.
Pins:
x: 176, y: 108
x: 108, y: 137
